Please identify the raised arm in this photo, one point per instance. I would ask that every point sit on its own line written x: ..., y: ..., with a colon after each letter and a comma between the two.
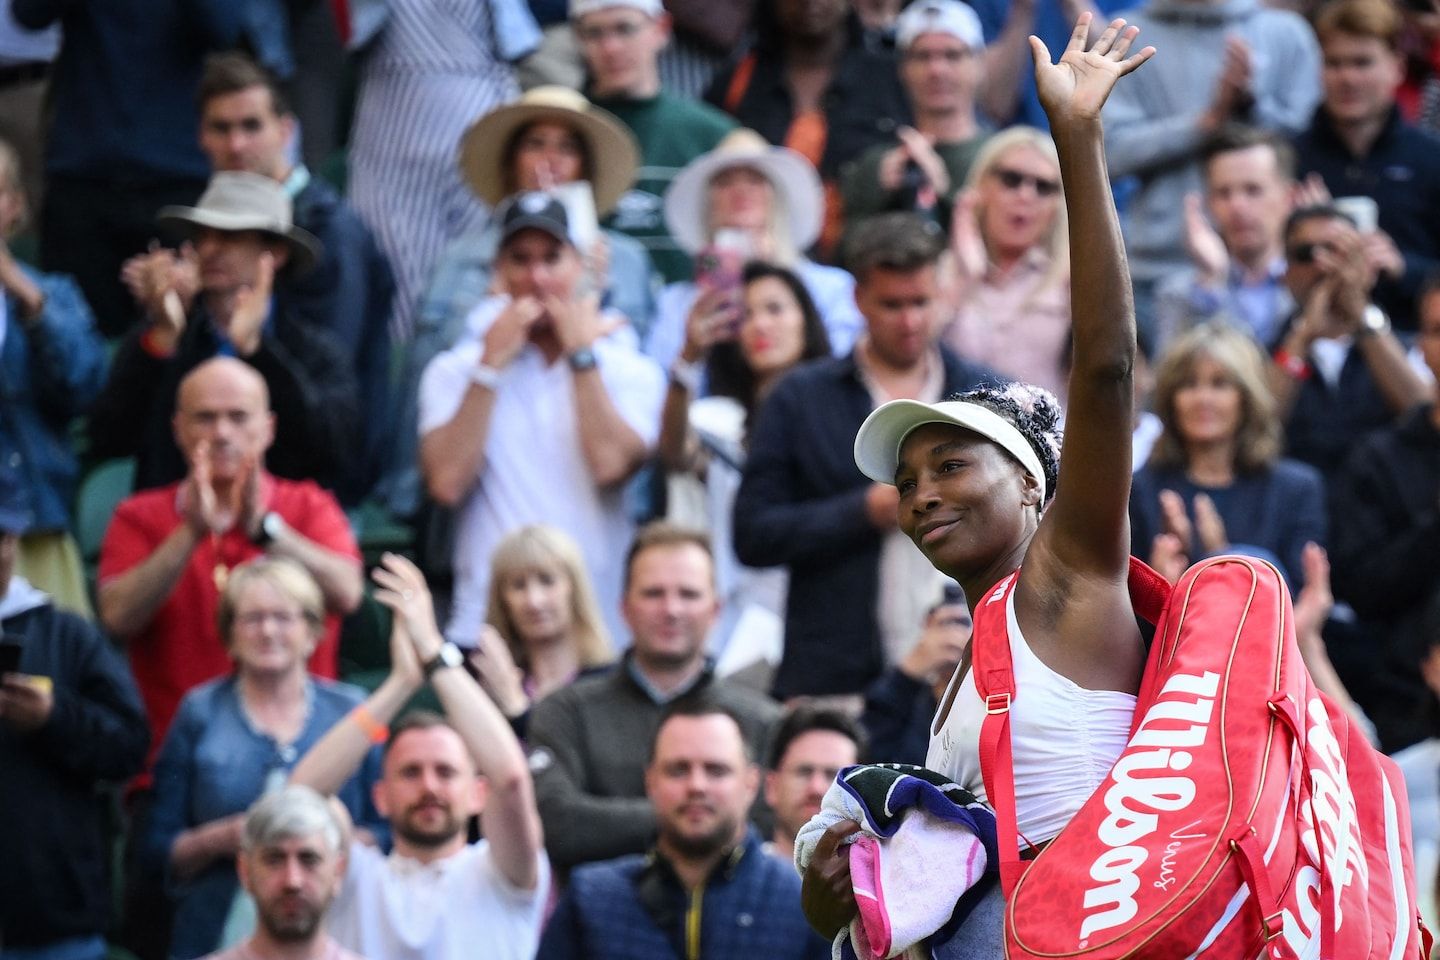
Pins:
x: 1087, y: 525
x: 510, y: 821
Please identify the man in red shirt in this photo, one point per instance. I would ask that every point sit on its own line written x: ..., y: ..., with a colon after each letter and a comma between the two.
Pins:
x: 169, y: 550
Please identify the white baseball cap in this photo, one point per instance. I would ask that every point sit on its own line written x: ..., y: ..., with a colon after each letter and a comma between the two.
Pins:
x: 939, y: 16
x: 651, y: 8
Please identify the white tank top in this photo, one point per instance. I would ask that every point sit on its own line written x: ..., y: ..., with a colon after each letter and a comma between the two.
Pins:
x: 1064, y: 738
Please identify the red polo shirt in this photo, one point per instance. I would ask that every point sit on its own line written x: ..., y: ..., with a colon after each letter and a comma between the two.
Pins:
x: 181, y: 647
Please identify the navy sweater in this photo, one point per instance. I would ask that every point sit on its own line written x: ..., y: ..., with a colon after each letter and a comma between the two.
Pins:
x: 635, y: 908
x: 53, y: 844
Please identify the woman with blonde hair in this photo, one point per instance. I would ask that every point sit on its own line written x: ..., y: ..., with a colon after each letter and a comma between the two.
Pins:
x: 1009, y: 239
x: 543, y: 626
x: 1215, y: 482
x: 238, y: 737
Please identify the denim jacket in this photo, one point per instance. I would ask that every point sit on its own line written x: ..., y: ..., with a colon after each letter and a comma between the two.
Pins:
x: 48, y: 376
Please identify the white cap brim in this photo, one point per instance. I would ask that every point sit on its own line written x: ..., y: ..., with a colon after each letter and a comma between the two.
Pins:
x: 878, y: 442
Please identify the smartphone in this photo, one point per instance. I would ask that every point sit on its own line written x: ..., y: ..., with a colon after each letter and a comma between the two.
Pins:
x: 579, y: 202
x: 10, y: 655
x: 1363, y: 210
x: 721, y: 265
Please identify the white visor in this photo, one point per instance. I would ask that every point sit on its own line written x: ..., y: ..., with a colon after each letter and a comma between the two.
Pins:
x: 877, y: 444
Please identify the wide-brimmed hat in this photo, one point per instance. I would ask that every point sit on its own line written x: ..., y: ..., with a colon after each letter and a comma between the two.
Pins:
x: 614, y: 154
x: 237, y: 201
x: 880, y: 437
x: 798, y: 193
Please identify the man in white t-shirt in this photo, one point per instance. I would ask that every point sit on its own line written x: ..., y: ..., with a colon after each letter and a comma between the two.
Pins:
x: 435, y: 897
x: 539, y: 414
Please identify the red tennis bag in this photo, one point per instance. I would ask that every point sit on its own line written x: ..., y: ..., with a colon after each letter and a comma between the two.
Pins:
x: 1247, y: 816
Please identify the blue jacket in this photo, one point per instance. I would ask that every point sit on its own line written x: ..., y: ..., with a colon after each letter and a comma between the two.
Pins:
x: 635, y: 908
x: 48, y: 376
x: 348, y: 294
x: 1277, y: 510
x: 802, y: 504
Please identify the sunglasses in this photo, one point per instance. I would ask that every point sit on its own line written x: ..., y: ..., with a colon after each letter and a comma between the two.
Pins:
x: 1014, y: 180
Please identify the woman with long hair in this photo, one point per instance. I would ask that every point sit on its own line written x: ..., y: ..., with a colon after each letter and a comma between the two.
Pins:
x: 238, y: 737
x: 1215, y: 482
x: 705, y: 437
x: 543, y: 627
x: 976, y: 477
x: 1009, y: 240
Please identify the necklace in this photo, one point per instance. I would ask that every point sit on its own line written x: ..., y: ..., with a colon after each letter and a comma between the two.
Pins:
x: 221, y: 573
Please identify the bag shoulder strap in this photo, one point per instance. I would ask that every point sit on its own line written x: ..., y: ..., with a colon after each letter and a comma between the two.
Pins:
x: 994, y: 672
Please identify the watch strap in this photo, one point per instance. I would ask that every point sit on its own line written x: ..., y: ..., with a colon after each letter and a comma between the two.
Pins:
x: 582, y: 359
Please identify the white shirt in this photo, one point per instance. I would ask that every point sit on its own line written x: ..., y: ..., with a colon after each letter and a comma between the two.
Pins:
x: 457, y: 908
x: 534, y: 470
x: 1064, y: 738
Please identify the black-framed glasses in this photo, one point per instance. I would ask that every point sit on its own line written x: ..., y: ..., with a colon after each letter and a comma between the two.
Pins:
x: 1014, y: 180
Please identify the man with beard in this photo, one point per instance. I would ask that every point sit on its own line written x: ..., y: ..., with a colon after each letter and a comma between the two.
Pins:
x: 589, y: 776
x: 435, y: 897
x: 292, y: 862
x: 706, y: 888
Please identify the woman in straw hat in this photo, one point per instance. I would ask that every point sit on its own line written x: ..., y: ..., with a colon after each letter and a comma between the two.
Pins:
x: 548, y: 139
x: 747, y: 200
x: 976, y: 480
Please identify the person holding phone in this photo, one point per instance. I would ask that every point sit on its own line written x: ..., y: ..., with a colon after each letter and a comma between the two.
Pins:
x: 70, y: 722
x: 746, y: 200
x: 704, y: 438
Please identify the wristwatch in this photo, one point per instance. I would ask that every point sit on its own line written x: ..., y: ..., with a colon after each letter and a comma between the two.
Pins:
x: 271, y: 526
x: 582, y: 360
x: 1373, y: 321
x: 484, y: 375
x: 686, y: 375
x: 449, y: 656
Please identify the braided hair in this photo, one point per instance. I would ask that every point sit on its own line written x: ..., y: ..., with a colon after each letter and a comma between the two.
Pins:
x: 1034, y: 412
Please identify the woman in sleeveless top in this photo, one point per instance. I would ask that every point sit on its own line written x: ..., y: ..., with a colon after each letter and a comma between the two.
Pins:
x: 976, y: 475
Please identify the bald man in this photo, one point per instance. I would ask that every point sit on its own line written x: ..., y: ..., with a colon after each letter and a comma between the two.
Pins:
x: 169, y: 551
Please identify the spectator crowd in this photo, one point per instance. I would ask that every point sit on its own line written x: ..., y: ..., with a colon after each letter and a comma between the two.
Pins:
x: 428, y: 515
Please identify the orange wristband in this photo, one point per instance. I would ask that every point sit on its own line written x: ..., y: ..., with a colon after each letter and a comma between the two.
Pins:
x: 376, y: 731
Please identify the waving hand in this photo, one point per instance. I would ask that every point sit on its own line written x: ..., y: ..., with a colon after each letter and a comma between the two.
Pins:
x: 1077, y: 87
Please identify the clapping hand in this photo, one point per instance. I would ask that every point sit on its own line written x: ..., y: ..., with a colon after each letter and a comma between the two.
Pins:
x: 403, y: 589
x: 249, y: 307
x: 1074, y: 89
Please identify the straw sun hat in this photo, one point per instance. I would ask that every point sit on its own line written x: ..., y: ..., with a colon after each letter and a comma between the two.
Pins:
x: 614, y: 156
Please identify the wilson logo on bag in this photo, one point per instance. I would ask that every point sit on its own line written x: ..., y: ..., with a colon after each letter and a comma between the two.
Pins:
x: 1246, y: 817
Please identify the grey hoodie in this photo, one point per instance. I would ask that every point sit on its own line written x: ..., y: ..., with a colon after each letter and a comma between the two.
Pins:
x: 1151, y: 124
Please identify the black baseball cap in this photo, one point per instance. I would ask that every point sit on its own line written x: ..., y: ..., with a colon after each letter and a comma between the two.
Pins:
x: 534, y: 210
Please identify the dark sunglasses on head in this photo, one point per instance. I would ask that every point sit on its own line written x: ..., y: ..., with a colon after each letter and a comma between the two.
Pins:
x: 1014, y: 180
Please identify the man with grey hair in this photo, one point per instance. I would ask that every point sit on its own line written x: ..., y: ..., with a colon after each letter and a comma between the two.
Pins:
x: 292, y: 862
